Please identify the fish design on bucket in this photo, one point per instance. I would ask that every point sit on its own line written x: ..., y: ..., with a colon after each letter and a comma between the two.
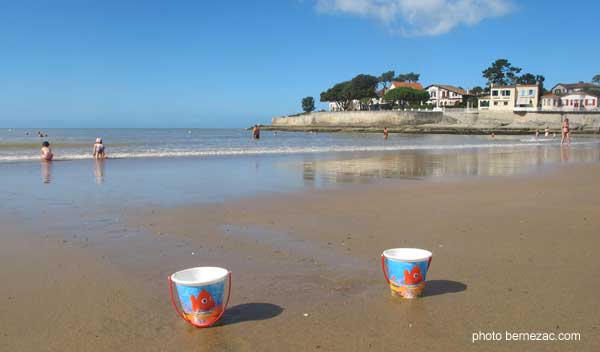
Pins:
x: 414, y: 276
x: 203, y: 302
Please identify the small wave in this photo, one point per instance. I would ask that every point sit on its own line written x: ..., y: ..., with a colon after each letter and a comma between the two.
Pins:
x: 177, y: 153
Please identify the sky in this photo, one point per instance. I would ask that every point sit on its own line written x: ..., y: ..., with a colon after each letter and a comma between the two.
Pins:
x: 203, y: 63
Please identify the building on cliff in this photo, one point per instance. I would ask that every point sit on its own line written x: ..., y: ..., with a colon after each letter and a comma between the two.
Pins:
x: 445, y: 95
x: 520, y: 97
x: 575, y: 101
x: 565, y: 88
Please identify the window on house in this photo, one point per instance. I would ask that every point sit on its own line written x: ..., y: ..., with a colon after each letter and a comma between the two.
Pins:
x: 495, y: 93
x: 506, y: 93
x: 505, y: 103
x: 522, y: 92
x: 531, y: 92
x: 495, y: 103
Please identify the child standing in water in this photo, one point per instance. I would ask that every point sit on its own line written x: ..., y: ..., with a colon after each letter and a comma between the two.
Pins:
x: 46, y: 152
x: 385, y: 133
x: 99, y: 149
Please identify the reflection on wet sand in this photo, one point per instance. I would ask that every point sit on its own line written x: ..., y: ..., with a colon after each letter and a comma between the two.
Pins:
x: 99, y: 171
x: 419, y: 164
x: 46, y: 171
x: 565, y: 153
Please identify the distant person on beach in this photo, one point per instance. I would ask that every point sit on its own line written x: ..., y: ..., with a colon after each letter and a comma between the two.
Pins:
x: 46, y: 152
x: 566, y: 131
x: 493, y: 135
x: 385, y: 133
x: 256, y: 132
x: 537, y: 133
x: 547, y: 132
x: 99, y: 151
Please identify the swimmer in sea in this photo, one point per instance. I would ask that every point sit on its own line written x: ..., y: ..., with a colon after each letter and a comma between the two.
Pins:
x: 566, y: 131
x: 99, y: 151
x: 46, y: 152
x: 256, y: 132
x: 385, y: 133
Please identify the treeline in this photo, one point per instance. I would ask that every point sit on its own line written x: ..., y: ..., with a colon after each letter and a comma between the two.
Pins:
x: 361, y: 92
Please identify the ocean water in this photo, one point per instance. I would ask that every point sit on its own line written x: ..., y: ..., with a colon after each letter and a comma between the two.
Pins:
x: 75, y: 144
x: 173, y: 167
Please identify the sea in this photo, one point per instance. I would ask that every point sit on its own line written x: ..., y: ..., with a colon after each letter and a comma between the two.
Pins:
x: 20, y: 145
x: 149, y: 168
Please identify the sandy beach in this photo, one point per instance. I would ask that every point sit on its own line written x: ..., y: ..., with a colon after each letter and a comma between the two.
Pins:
x: 510, y: 254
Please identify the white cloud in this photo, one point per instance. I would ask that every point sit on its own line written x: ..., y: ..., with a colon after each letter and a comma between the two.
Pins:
x: 419, y: 17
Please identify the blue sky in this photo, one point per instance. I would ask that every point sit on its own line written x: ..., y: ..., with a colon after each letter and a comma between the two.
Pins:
x: 122, y: 63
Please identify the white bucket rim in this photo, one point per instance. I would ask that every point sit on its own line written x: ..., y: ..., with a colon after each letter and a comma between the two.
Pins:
x: 410, y: 255
x: 212, y: 274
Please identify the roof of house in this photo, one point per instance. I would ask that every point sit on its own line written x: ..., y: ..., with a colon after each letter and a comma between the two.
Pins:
x: 550, y: 95
x: 582, y: 93
x: 414, y: 85
x: 576, y: 85
x: 514, y: 86
x: 449, y: 88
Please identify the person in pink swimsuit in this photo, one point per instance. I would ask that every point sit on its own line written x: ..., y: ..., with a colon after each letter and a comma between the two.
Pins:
x: 566, y: 131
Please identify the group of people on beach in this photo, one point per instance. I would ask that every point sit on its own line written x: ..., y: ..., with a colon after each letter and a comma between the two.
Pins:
x: 98, y: 150
x: 565, y: 132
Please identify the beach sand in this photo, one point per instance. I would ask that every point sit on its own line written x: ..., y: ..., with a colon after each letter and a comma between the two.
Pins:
x: 511, y: 254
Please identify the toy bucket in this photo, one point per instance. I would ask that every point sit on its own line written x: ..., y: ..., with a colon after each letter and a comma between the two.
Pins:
x: 201, y: 292
x: 405, y: 269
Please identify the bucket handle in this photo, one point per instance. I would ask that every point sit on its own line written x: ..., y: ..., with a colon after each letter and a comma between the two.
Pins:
x: 383, y: 267
x: 189, y: 321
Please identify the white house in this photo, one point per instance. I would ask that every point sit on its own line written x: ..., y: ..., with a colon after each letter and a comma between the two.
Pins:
x: 579, y: 101
x: 445, y: 95
x: 551, y: 102
x: 565, y: 88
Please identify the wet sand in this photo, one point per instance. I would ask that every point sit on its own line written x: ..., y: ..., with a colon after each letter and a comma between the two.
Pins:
x: 510, y: 253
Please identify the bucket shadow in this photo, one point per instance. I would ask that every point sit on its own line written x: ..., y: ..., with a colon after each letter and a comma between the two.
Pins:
x: 250, y: 312
x: 440, y: 287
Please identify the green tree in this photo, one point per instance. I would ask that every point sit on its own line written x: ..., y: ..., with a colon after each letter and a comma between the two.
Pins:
x: 413, y: 77
x: 408, y: 77
x: 526, y: 78
x: 501, y: 72
x: 361, y: 86
x: 308, y: 104
x: 337, y: 94
x: 596, y: 79
x: 406, y: 95
x: 386, y: 78
x: 477, y: 90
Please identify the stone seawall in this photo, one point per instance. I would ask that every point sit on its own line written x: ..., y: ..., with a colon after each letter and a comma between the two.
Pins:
x: 450, y: 121
x: 360, y: 119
